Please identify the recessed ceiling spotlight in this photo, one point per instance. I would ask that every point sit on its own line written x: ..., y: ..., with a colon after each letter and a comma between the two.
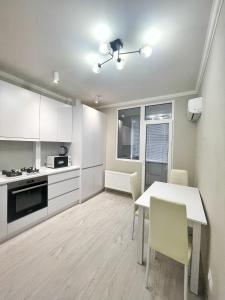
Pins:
x: 97, y: 100
x: 56, y: 77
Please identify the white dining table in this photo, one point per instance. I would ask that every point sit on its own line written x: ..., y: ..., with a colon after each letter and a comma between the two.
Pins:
x: 195, y: 214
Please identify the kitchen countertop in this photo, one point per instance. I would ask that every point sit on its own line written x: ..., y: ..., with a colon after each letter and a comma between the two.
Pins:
x: 44, y: 171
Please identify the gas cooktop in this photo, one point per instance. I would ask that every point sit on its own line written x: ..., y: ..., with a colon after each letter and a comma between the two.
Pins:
x: 23, y: 171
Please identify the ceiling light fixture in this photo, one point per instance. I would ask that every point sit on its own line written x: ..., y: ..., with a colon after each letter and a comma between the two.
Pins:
x: 56, y: 77
x: 96, y: 68
x: 114, y: 50
x: 146, y: 50
x: 103, y: 48
x: 120, y: 63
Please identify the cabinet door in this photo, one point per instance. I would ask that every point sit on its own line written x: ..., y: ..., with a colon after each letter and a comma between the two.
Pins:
x: 3, y: 211
x: 93, y: 137
x: 64, y: 122
x: 99, y: 141
x: 98, y: 173
x: 88, y: 137
x: 87, y: 185
x: 48, y: 119
x: 19, y: 112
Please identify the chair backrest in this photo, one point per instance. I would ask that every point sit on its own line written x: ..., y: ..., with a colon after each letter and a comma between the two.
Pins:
x: 168, y: 229
x: 135, y: 186
x: 179, y: 177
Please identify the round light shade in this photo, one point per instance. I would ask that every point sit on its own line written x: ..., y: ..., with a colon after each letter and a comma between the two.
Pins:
x: 146, y: 51
x: 103, y: 48
x: 102, y: 32
x: 120, y: 63
x: 96, y: 68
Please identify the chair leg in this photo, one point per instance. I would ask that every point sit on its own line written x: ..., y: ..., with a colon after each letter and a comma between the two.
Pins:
x: 133, y: 226
x: 147, y: 263
x: 185, y: 282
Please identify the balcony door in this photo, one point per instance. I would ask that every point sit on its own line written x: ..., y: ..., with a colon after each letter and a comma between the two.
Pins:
x: 158, y: 138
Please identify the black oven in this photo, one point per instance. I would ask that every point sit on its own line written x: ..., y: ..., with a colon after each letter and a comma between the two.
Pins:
x: 27, y: 196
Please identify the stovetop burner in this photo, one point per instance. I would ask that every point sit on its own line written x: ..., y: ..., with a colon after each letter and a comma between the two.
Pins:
x: 13, y: 172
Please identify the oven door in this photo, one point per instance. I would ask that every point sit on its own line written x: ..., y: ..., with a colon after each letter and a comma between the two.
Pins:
x: 26, y: 199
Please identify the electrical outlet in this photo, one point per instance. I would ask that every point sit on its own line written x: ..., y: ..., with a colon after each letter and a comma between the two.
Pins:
x: 210, y: 280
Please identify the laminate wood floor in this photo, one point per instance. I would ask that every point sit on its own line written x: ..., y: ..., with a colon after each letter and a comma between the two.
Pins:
x: 85, y: 253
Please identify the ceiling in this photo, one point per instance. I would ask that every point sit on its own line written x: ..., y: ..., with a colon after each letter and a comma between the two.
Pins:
x: 38, y: 37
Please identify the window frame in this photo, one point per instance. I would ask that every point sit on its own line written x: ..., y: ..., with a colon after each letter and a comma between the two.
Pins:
x: 117, y: 134
x: 142, y: 126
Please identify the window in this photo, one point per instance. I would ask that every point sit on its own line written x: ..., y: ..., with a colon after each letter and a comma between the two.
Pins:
x: 158, y: 111
x: 128, y: 133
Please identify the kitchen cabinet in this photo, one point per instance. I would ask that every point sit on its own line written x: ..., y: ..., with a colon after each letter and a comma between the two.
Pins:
x: 19, y: 113
x: 92, y: 181
x: 63, y: 190
x: 93, y: 134
x: 88, y: 148
x: 55, y: 121
x: 3, y: 211
x: 64, y: 122
x: 48, y: 119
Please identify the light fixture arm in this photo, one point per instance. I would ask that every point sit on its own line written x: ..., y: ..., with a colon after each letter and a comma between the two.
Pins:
x: 130, y: 52
x: 104, y: 62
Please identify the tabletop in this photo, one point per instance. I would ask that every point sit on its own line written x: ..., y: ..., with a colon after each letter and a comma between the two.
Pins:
x: 176, y: 193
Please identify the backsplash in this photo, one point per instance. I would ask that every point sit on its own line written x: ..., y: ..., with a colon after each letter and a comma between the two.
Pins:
x: 16, y: 155
x: 51, y: 149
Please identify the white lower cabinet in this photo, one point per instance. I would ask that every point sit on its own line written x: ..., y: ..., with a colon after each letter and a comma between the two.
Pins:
x: 3, y: 211
x: 63, y: 191
x: 62, y: 202
x: 92, y: 181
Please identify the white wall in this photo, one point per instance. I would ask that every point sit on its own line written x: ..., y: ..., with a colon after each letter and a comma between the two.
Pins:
x: 210, y: 161
x: 184, y: 142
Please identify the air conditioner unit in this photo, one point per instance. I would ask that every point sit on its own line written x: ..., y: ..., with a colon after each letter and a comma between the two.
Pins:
x: 194, y: 109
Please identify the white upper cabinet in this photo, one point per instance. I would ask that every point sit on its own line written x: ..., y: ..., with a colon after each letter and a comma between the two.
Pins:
x: 48, y: 119
x: 19, y: 113
x: 64, y: 122
x: 55, y: 121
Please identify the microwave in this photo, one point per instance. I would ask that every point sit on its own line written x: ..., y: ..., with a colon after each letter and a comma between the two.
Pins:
x: 55, y: 162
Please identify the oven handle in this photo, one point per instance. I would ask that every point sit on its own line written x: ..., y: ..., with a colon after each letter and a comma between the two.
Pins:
x: 30, y: 188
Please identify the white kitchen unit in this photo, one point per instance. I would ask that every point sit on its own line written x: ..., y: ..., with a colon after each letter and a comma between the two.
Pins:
x: 19, y: 113
x: 65, y: 123
x: 88, y: 148
x: 3, y: 211
x: 63, y: 191
x: 55, y: 121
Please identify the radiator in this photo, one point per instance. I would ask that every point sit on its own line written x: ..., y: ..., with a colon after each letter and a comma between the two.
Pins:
x: 117, y: 181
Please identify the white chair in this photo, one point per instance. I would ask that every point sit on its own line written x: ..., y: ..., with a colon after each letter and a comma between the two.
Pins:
x: 136, y: 193
x: 168, y: 234
x: 178, y: 177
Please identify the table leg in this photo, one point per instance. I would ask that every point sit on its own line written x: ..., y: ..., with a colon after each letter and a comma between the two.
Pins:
x: 196, y: 243
x: 140, y: 235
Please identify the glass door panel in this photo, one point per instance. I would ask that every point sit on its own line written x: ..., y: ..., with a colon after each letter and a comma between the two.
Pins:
x: 156, y: 152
